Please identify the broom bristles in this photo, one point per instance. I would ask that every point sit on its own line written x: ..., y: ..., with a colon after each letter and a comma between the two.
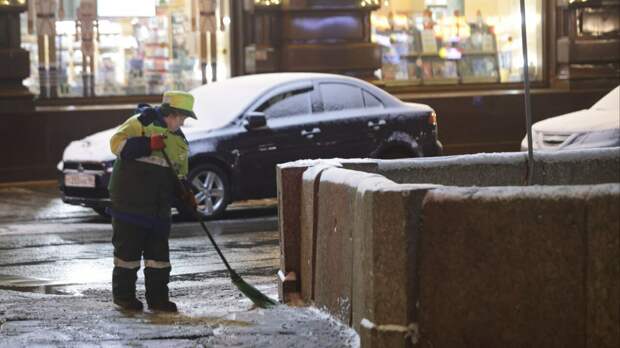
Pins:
x: 257, y: 297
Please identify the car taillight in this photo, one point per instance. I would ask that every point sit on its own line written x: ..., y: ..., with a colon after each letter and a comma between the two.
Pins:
x: 432, y: 119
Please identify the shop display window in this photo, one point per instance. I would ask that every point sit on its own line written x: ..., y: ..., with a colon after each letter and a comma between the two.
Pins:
x: 141, y: 47
x: 447, y: 42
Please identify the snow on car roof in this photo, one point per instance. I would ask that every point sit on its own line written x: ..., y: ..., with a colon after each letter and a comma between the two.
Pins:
x: 219, y: 103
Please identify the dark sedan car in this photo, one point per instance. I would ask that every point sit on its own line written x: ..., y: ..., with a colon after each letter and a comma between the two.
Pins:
x: 246, y: 125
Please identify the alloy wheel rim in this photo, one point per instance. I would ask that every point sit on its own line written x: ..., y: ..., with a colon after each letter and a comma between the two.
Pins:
x: 209, y: 192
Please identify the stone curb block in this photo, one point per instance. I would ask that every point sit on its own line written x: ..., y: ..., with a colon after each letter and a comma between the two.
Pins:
x: 583, y: 167
x: 384, y: 260
x: 308, y: 216
x: 335, y: 216
x: 520, y: 278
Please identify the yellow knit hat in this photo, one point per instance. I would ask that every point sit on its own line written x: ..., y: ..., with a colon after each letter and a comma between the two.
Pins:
x: 179, y: 101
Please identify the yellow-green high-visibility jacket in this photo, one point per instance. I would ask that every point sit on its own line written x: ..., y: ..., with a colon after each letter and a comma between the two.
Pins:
x: 142, y: 183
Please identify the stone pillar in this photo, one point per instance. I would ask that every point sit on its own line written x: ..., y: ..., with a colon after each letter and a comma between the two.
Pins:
x: 15, y: 60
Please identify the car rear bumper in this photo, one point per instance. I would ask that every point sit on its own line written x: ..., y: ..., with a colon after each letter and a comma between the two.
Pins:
x: 91, y: 197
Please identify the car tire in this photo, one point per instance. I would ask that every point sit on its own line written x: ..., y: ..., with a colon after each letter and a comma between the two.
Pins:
x: 212, y: 191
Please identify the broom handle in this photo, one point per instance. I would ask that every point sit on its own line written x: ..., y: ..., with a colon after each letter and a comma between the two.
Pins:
x: 196, y: 215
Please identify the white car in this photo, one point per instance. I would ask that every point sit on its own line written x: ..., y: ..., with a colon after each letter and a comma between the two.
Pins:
x: 598, y: 126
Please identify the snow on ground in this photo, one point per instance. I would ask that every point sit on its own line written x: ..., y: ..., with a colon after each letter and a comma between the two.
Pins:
x: 215, y: 318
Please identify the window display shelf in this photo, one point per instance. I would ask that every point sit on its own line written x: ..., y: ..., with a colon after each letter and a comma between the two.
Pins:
x: 427, y: 42
x: 474, y: 60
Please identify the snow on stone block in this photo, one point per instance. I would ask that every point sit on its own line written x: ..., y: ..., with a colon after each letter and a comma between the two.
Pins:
x: 485, y: 169
x: 577, y: 167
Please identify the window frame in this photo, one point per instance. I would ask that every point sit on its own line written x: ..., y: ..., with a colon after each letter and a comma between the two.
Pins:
x: 328, y: 82
x: 364, y: 92
x: 295, y: 92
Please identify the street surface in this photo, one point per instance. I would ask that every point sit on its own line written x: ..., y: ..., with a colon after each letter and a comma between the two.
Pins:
x: 56, y: 267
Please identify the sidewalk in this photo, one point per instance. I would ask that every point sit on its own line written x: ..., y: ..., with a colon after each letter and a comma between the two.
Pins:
x: 90, y: 320
x: 42, y: 238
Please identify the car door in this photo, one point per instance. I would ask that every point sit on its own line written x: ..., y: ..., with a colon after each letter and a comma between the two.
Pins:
x: 290, y: 134
x: 348, y: 126
x: 379, y: 124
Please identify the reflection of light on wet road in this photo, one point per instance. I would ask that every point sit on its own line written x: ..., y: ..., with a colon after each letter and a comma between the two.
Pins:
x: 56, y: 208
x: 37, y: 203
x: 27, y: 284
x: 85, y: 271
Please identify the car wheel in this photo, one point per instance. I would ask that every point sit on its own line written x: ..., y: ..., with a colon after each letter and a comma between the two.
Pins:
x: 211, y: 189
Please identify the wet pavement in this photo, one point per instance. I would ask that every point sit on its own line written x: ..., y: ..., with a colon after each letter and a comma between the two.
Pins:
x: 56, y: 265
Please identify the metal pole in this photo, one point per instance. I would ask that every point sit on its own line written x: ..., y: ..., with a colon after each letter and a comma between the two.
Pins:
x: 528, y: 106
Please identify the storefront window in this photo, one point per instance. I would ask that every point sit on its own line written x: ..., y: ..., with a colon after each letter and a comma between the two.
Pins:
x: 139, y: 47
x: 431, y: 42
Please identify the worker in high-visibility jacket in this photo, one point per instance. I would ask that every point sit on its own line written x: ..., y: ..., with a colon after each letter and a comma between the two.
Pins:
x: 142, y: 188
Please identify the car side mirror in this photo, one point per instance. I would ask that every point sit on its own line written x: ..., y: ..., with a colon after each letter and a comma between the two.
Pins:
x: 254, y: 120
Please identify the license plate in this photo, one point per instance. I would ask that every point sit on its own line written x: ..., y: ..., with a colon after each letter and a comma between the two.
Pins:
x: 80, y: 180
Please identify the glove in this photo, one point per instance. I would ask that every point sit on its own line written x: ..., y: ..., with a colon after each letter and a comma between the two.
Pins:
x: 157, y: 142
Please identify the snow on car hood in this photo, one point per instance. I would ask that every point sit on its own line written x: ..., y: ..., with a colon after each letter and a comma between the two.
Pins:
x: 96, y: 147
x: 93, y: 148
x: 586, y: 120
x: 604, y: 114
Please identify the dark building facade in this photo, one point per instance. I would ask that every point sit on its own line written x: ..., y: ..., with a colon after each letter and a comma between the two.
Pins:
x: 462, y: 57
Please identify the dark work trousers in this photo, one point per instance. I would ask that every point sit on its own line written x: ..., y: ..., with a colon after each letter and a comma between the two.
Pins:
x: 132, y: 243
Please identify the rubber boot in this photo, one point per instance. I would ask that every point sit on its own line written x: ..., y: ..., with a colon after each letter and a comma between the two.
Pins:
x: 124, y: 288
x: 156, y: 283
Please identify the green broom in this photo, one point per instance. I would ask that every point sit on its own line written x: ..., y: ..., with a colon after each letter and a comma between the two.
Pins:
x: 259, y: 299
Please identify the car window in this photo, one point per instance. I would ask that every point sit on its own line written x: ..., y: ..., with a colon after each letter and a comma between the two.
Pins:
x: 338, y: 96
x: 290, y: 103
x: 370, y: 101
